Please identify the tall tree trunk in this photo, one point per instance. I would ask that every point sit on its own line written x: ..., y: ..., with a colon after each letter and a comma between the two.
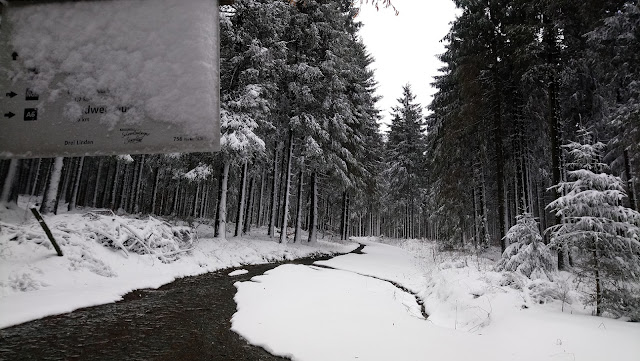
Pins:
x: 630, y: 188
x: 248, y: 215
x: 114, y: 188
x: 94, y: 198
x: 176, y: 200
x: 196, y: 200
x: 298, y: 234
x: 274, y: 195
x: 287, y: 190
x: 126, y: 185
x: 76, y: 185
x: 596, y: 271
x: 313, y: 209
x: 51, y: 190
x: 34, y: 185
x: 154, y: 191
x: 9, y: 181
x: 554, y: 125
x: 347, y: 217
x: 263, y: 179
x: 221, y: 217
x: 343, y: 216
x: 138, y: 193
x: 242, y: 194
x: 67, y: 172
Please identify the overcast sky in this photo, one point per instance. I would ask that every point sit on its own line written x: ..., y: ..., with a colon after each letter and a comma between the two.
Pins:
x: 405, y: 46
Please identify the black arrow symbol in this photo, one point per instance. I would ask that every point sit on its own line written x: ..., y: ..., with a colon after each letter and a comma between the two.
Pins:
x: 9, y: 115
x: 11, y: 94
x: 14, y: 55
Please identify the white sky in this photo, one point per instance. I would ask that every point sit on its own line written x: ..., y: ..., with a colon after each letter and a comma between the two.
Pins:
x: 404, y: 47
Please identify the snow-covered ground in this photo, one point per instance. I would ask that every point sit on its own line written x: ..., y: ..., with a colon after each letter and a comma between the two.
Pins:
x: 35, y: 282
x: 314, y: 313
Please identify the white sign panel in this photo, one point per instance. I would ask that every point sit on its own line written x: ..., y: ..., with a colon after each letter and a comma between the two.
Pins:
x: 109, y: 77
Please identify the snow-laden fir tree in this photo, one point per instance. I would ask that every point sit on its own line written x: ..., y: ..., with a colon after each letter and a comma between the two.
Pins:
x: 527, y: 253
x: 405, y: 149
x: 602, y: 232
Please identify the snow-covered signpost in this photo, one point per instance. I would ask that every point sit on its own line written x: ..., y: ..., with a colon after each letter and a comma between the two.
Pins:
x: 109, y: 77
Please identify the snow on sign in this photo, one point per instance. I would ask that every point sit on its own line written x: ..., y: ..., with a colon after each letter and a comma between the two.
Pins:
x: 109, y: 77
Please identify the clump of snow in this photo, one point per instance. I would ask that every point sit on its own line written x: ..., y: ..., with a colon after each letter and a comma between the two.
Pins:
x: 238, y: 272
x: 23, y: 282
x: 199, y: 173
x: 127, y: 158
x: 156, y: 57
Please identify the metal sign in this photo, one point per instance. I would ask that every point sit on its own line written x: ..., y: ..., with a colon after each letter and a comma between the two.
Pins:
x: 109, y: 77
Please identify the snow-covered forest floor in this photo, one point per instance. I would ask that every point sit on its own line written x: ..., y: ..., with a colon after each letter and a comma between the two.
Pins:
x: 474, y: 313
x: 35, y: 282
x: 339, y: 309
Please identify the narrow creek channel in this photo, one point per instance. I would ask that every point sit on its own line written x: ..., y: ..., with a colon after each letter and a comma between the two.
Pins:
x: 188, y: 319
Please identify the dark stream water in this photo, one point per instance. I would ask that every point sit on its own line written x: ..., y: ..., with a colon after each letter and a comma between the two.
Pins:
x: 188, y: 319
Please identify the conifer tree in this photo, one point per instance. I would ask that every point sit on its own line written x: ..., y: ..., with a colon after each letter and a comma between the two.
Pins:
x: 605, y: 233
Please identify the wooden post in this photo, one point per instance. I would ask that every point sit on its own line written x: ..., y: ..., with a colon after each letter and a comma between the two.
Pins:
x: 46, y: 229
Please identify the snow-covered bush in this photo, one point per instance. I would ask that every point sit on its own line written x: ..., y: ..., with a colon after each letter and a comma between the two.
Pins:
x: 149, y: 236
x: 527, y: 254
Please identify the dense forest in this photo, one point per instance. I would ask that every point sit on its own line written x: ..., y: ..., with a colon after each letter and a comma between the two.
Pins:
x: 531, y: 94
x: 300, y: 126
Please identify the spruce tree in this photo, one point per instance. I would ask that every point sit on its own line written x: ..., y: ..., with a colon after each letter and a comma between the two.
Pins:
x: 605, y: 233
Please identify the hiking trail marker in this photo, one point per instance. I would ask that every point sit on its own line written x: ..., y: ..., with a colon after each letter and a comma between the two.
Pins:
x: 109, y: 77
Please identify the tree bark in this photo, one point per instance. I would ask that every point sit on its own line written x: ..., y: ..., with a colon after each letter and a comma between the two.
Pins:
x: 313, y: 209
x: 9, y: 181
x: 76, y: 186
x: 94, y: 198
x: 138, y: 194
x: 298, y: 235
x: 154, y: 191
x: 630, y: 188
x: 51, y: 191
x: 260, y: 219
x: 221, y: 217
x: 274, y: 195
x: 287, y: 190
x: 248, y: 215
x: 114, y: 188
x: 343, y: 218
x: 554, y: 125
x: 242, y: 194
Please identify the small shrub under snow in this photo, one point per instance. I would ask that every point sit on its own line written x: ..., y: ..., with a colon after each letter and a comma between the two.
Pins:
x: 149, y: 236
x: 527, y: 254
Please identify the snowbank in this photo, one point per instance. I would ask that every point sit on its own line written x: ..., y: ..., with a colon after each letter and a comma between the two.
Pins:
x: 34, y: 282
x: 312, y: 313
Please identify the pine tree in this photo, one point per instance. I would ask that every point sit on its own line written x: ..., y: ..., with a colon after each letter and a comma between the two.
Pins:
x: 604, y: 232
